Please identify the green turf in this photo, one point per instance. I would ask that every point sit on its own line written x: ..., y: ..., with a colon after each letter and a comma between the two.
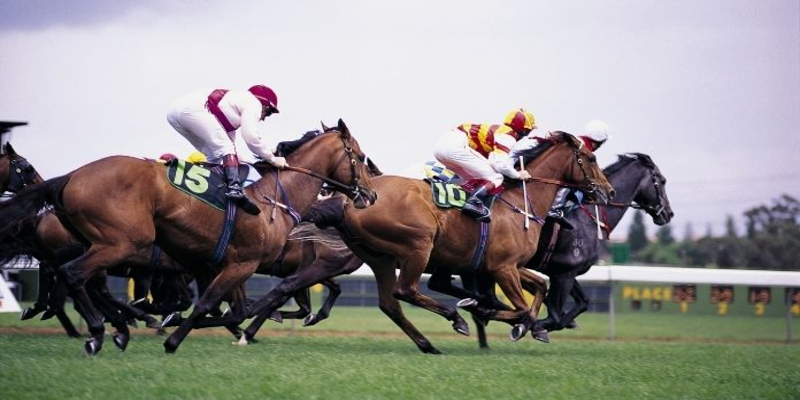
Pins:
x: 359, y: 354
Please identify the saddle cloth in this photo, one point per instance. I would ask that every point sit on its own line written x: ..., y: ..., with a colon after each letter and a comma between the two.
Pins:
x: 206, y: 182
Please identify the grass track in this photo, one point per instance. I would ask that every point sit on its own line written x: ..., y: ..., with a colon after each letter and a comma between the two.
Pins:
x: 359, y: 354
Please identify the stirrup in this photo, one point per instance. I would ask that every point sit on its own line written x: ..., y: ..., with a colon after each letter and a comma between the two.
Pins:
x: 559, y: 218
x: 482, y: 214
x: 234, y: 192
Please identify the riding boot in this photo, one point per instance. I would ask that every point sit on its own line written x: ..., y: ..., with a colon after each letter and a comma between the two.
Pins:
x: 476, y: 205
x: 235, y: 192
x: 560, y: 208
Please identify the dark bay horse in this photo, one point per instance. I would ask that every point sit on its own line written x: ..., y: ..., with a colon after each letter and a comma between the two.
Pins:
x: 639, y: 184
x: 405, y: 231
x: 121, y: 206
x: 16, y: 172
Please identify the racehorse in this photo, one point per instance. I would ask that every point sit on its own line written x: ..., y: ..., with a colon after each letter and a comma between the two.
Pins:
x: 406, y: 231
x: 145, y: 210
x: 639, y: 184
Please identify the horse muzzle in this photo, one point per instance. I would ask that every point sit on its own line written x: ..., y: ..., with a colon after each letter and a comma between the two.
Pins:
x: 363, y: 198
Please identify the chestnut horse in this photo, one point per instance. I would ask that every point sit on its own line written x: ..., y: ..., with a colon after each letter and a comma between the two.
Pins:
x: 639, y: 184
x: 407, y: 232
x: 120, y: 206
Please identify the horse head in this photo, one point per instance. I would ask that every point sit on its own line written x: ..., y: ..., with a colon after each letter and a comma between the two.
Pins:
x: 583, y: 173
x: 15, y: 171
x: 651, y: 195
x: 337, y: 159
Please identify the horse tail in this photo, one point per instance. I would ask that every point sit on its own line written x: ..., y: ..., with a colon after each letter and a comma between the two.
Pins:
x: 19, y: 217
x: 328, y: 237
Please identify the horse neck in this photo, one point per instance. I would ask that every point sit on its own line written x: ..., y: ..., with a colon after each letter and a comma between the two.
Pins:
x: 550, y: 165
x: 296, y: 189
x: 626, y: 183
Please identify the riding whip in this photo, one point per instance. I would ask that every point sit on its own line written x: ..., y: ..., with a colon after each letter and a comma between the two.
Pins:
x: 526, y: 222
x: 597, y: 219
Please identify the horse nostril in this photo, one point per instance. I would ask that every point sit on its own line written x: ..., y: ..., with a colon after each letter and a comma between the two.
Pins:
x: 612, y: 193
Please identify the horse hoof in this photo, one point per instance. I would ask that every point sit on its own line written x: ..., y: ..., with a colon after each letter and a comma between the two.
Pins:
x: 541, y: 336
x: 466, y: 303
x: 27, y: 313
x: 133, y: 324
x: 572, y: 325
x: 518, y: 332
x: 276, y: 316
x: 167, y: 322
x: 153, y: 323
x: 431, y: 350
x: 461, y: 327
x: 121, y: 341
x: 49, y: 313
x: 309, y: 320
x: 92, y: 346
x: 169, y: 347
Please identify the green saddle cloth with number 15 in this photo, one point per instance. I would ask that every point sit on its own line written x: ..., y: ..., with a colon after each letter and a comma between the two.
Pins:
x: 205, y: 182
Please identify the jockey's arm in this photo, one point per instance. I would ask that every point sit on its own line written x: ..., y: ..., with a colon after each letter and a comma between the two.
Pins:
x: 251, y: 133
x: 500, y: 158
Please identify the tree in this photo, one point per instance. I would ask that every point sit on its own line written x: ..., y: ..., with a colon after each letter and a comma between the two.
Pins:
x: 637, y: 234
x: 664, y: 235
x: 774, y: 235
x: 729, y: 253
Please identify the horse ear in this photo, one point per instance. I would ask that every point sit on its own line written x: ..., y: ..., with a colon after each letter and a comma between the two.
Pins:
x: 324, y: 127
x: 7, y: 149
x: 343, y: 128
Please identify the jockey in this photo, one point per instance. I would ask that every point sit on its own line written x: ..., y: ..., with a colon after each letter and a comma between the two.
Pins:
x: 209, y: 119
x: 595, y: 133
x: 479, y: 153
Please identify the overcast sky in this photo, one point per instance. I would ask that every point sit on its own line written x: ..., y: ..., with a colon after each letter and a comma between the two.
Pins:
x: 710, y: 89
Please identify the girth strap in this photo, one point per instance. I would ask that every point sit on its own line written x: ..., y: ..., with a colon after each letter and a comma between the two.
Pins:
x: 480, y: 250
x: 225, y: 235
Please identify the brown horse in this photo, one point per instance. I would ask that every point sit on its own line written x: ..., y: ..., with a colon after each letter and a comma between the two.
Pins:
x: 407, y: 232
x: 120, y: 206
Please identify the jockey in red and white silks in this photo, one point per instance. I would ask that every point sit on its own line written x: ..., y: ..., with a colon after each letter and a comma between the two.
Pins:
x: 209, y: 120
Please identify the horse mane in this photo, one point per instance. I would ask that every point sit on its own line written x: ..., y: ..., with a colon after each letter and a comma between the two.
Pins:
x: 627, y: 158
x: 532, y: 153
x: 288, y: 147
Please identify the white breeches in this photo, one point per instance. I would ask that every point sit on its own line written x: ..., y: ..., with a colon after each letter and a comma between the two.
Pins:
x: 191, y: 119
x: 453, y: 151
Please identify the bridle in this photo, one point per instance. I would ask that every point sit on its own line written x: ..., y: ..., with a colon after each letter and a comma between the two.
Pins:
x: 587, y: 186
x: 355, y: 189
x: 20, y: 175
x: 650, y: 209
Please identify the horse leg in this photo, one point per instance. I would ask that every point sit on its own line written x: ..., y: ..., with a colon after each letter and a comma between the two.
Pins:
x: 303, y: 300
x: 46, y: 282
x: 230, y: 278
x: 507, y: 277
x: 560, y: 288
x: 407, y: 290
x: 55, y: 306
x: 386, y: 281
x: 77, y: 273
x: 581, y: 305
x: 334, y: 290
x: 537, y: 286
